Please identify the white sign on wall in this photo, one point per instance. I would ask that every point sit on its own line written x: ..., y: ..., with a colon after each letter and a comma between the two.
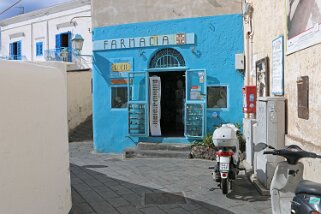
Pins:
x: 147, y: 41
x: 277, y: 66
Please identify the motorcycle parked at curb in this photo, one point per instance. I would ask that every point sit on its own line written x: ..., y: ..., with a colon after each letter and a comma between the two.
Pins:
x: 227, y: 156
x: 289, y: 192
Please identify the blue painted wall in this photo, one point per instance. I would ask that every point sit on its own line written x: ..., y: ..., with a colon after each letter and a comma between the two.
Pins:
x: 218, y: 39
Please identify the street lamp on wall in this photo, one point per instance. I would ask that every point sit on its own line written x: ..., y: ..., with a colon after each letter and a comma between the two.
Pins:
x: 77, y: 43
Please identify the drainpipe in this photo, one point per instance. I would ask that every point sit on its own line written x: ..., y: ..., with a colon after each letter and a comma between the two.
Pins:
x: 251, y: 34
x: 252, y: 69
x: 248, y: 65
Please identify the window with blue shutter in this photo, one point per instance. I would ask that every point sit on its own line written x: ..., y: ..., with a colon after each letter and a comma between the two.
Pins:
x: 58, y: 46
x: 63, y: 47
x: 15, y: 51
x: 19, y: 50
x: 39, y: 48
x: 11, y: 51
x: 69, y: 47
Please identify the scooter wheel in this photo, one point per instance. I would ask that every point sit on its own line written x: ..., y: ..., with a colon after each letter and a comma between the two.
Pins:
x: 224, y: 186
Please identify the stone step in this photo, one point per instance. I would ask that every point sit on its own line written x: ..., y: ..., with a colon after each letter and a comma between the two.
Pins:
x: 164, y: 147
x: 162, y: 154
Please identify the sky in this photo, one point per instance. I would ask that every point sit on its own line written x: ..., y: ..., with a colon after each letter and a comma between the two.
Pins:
x: 29, y: 5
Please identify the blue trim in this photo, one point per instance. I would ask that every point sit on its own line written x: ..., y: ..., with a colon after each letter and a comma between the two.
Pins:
x: 69, y: 47
x: 11, y: 51
x: 58, y: 46
x: 201, y: 102
x: 19, y: 50
x: 145, y: 102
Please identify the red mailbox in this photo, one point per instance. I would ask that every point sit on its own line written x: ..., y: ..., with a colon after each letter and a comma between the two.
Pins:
x: 249, y: 99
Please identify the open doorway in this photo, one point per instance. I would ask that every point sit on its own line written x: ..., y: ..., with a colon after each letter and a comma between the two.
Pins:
x: 172, y: 102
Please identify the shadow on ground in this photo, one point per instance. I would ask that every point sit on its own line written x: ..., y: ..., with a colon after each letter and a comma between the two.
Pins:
x: 94, y: 192
x: 83, y: 132
x: 242, y: 192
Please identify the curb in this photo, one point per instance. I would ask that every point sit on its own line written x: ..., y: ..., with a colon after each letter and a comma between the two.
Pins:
x: 252, y: 177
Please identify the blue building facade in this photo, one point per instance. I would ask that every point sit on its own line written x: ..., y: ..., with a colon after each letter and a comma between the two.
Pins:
x: 165, y: 81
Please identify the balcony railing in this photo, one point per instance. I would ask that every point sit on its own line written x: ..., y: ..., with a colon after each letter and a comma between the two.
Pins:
x: 59, y: 54
x: 13, y: 57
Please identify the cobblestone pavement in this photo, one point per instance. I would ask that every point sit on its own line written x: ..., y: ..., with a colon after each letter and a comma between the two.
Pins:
x: 106, y: 183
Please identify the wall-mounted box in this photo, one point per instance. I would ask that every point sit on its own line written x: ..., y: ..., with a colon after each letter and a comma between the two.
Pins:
x: 239, y: 61
x: 303, y: 97
x: 249, y: 99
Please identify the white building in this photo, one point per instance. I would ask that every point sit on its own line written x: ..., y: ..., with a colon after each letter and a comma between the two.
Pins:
x: 46, y: 34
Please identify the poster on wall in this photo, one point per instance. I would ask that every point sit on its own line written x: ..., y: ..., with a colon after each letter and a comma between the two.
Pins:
x: 277, y: 66
x: 262, y: 77
x: 303, y: 24
x: 155, y: 107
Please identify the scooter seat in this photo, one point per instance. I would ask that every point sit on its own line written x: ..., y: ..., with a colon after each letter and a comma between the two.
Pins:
x: 308, y: 187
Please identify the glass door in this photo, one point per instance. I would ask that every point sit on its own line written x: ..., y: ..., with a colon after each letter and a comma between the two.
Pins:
x: 195, y: 104
x: 138, y: 104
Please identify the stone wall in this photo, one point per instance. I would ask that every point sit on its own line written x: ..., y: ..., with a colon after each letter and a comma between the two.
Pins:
x: 269, y: 22
x: 79, y: 97
x: 106, y: 13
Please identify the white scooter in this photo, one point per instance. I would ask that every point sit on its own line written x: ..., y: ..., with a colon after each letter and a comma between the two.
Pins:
x: 289, y: 192
x: 227, y: 156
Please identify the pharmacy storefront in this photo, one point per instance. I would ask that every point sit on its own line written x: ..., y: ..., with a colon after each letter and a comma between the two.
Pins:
x: 168, y: 81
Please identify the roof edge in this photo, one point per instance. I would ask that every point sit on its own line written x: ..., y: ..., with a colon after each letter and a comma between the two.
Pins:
x: 45, y: 11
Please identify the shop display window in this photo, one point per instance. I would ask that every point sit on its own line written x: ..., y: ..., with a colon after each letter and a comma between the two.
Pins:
x: 216, y: 97
x: 119, y: 97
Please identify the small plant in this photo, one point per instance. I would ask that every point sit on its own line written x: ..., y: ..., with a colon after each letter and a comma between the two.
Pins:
x: 206, y: 142
x: 242, y: 142
x: 203, y: 149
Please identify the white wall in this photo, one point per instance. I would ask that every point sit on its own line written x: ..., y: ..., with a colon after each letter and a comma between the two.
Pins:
x: 79, y: 97
x: 34, y: 157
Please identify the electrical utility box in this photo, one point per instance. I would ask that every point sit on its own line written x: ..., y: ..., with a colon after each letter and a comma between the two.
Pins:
x: 239, y: 61
x: 270, y: 114
x: 249, y: 138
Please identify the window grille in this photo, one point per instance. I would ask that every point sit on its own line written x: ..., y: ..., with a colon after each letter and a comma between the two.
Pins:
x: 167, y: 58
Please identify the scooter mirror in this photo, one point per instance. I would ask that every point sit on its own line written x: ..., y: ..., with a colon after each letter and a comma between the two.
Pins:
x: 260, y: 146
